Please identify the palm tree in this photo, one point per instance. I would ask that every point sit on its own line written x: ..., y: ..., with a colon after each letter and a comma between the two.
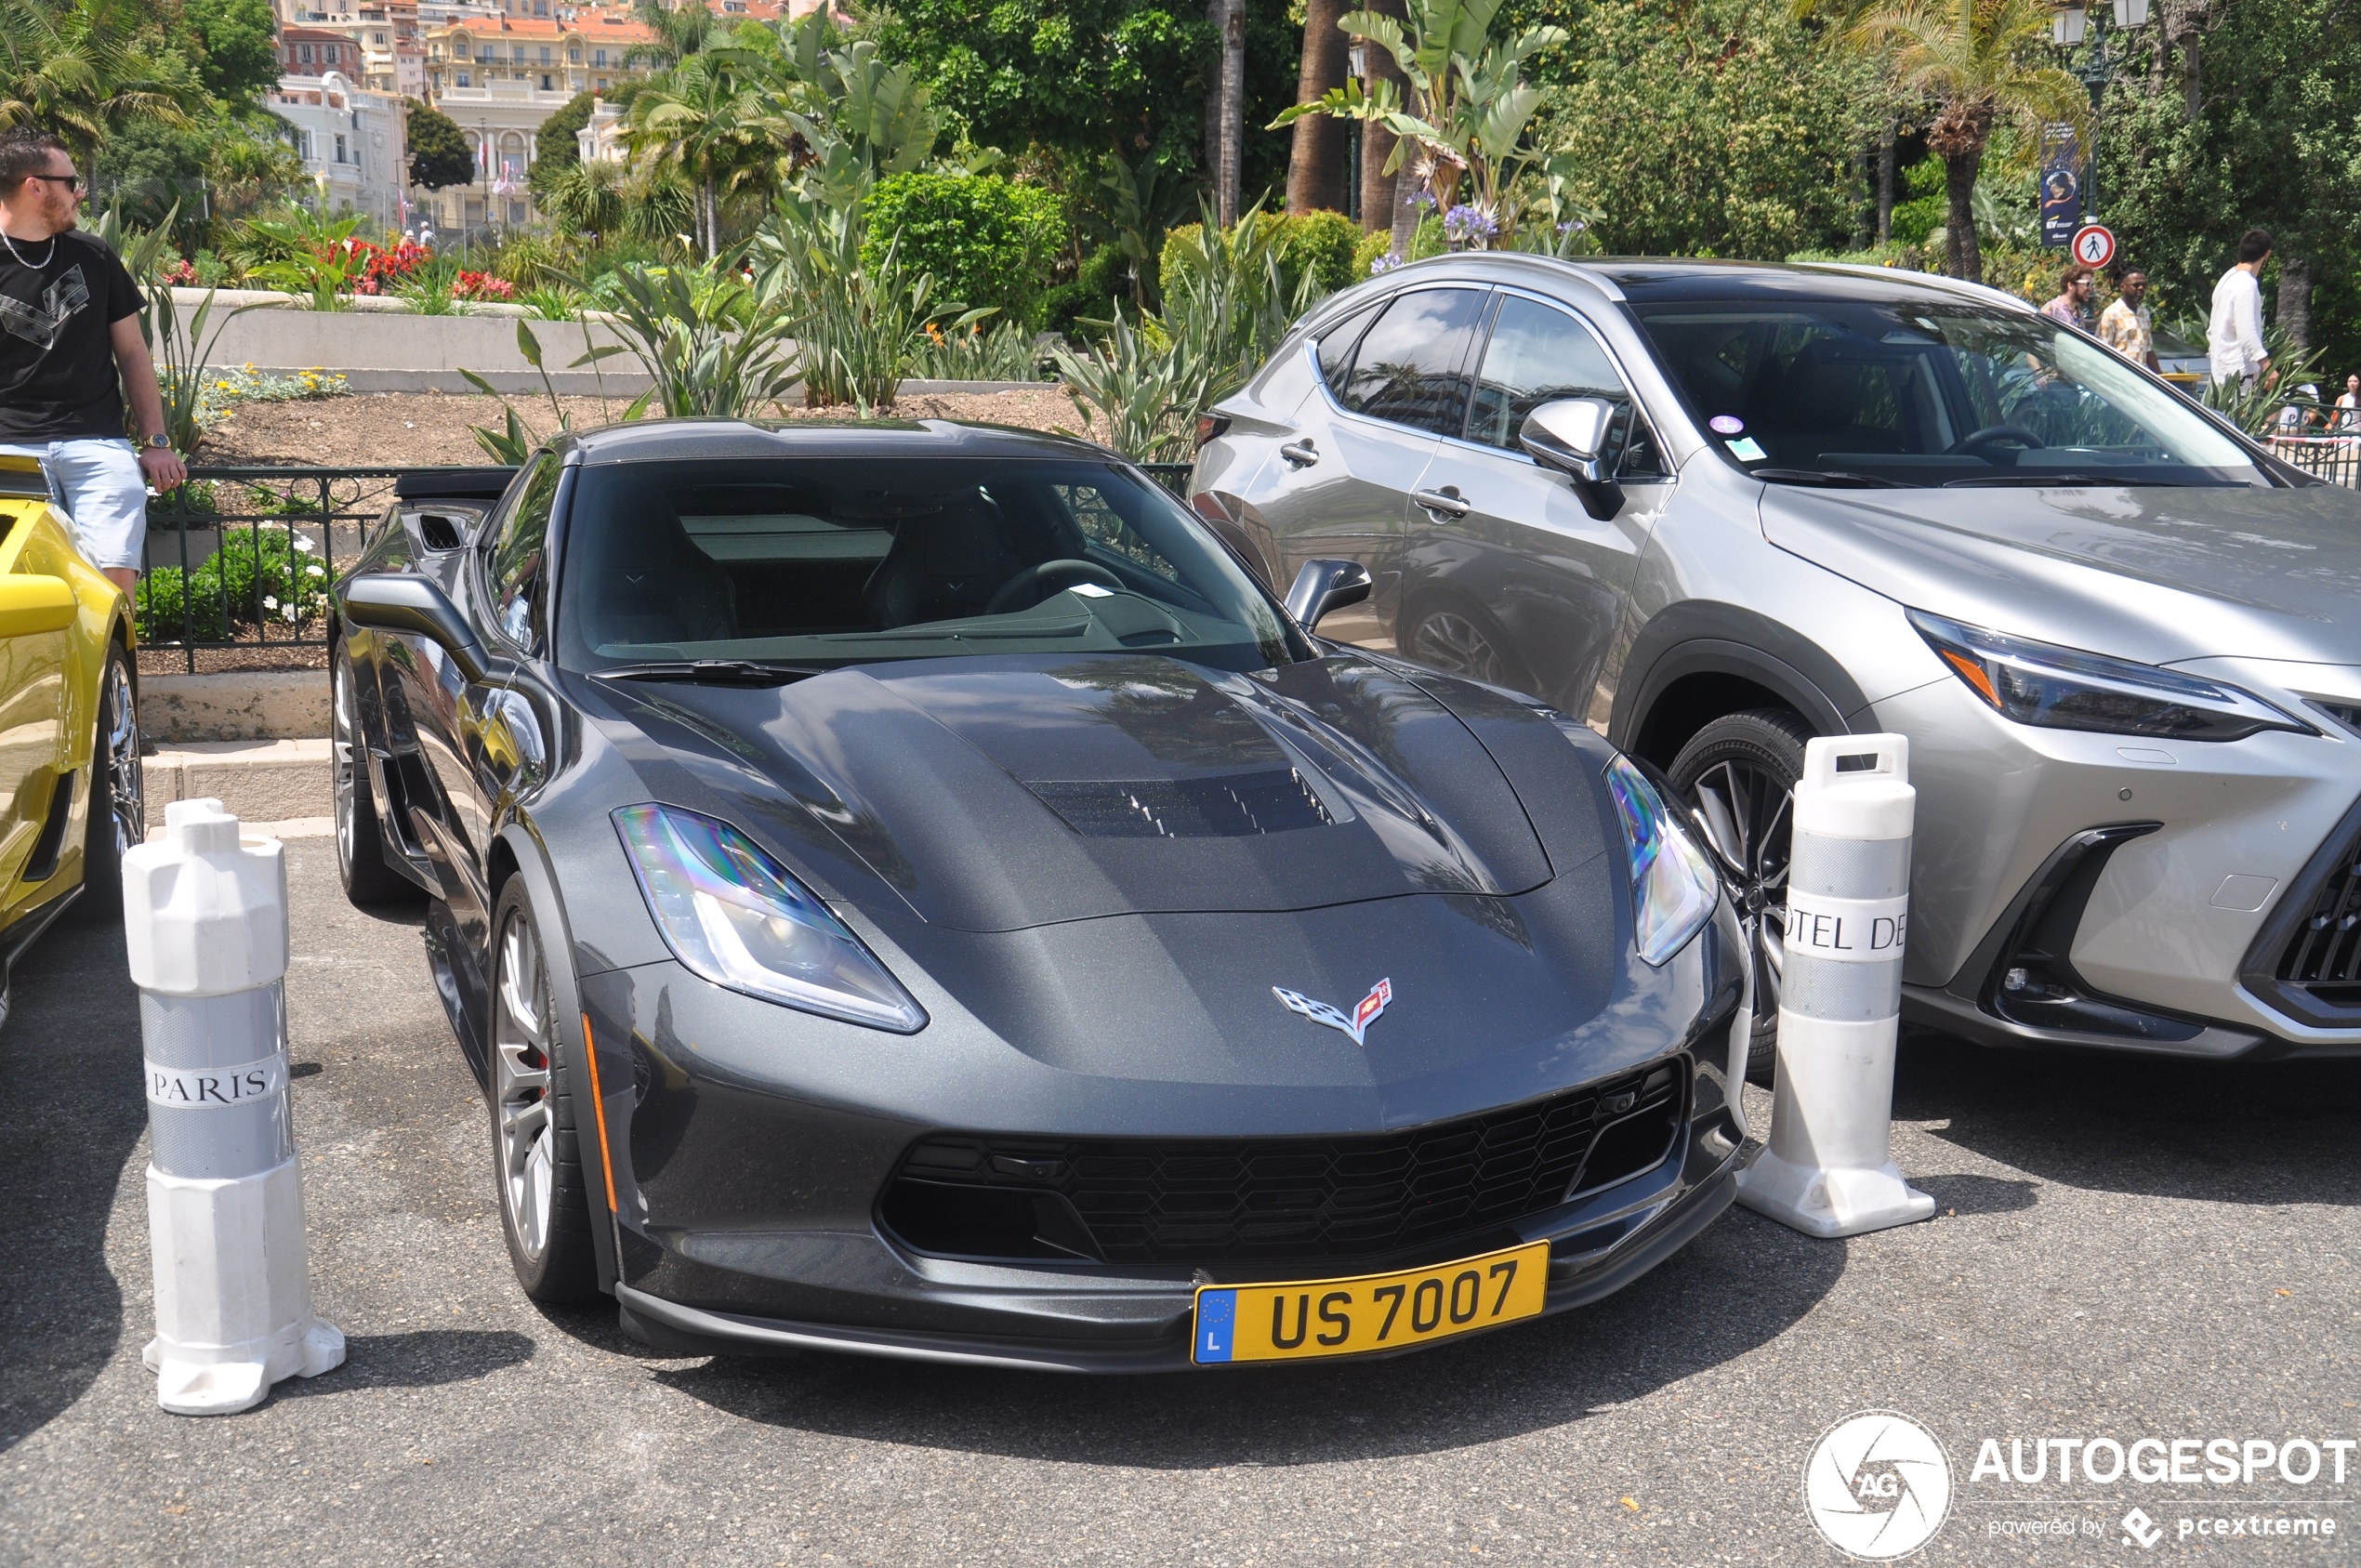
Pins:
x: 1978, y: 60
x: 76, y: 68
x: 714, y: 118
x: 1315, y: 164
x: 681, y: 31
x: 1466, y: 108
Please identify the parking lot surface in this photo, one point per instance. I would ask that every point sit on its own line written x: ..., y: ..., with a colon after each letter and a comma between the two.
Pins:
x: 2124, y: 1249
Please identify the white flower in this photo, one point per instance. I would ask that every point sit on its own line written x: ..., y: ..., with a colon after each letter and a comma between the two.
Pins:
x: 288, y: 614
x: 269, y: 602
x: 303, y: 543
x: 315, y: 570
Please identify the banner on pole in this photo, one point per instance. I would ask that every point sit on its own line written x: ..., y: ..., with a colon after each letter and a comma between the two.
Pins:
x: 2061, y: 186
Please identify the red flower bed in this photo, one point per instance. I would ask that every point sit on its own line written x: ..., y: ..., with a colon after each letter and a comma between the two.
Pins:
x: 483, y: 285
x: 385, y: 266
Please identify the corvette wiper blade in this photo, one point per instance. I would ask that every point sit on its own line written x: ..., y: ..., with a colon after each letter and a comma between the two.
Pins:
x: 1834, y: 479
x: 711, y: 672
x: 1998, y: 482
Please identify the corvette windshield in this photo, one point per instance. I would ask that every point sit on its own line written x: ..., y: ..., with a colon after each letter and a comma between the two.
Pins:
x: 821, y: 562
x: 1872, y: 395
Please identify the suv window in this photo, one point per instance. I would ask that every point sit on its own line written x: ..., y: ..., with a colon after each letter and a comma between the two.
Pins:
x: 1408, y: 368
x: 1538, y: 354
x: 514, y: 570
x: 1335, y: 347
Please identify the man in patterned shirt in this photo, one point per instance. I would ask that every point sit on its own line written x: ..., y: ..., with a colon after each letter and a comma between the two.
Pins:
x: 2127, y: 327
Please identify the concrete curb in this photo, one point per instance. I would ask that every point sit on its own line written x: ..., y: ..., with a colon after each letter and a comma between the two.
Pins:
x: 257, y: 705
x: 258, y: 781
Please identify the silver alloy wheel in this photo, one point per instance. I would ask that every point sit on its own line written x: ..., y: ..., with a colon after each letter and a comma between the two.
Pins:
x: 341, y: 763
x: 1745, y: 815
x: 119, y: 755
x: 522, y: 1086
x: 1450, y: 642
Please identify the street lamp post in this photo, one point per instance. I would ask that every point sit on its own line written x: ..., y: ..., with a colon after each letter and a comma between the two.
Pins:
x: 2068, y: 28
x: 1356, y: 56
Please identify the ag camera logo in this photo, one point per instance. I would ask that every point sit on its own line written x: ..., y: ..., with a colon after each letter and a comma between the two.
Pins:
x: 1877, y: 1485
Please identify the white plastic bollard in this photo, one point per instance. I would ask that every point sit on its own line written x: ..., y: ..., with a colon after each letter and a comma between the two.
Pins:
x: 206, y: 919
x: 1827, y: 1168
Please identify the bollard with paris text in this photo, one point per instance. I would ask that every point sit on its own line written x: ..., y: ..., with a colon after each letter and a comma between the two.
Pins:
x: 205, y: 917
x: 1827, y: 1168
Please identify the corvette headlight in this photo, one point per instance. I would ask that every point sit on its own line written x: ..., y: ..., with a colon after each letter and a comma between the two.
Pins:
x: 1673, y: 885
x: 2065, y: 689
x: 735, y: 917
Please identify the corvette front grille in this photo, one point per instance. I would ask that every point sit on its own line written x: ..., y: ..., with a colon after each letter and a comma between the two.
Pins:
x: 1201, y: 1201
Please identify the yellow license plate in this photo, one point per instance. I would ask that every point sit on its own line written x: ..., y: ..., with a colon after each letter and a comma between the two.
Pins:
x: 1371, y: 1312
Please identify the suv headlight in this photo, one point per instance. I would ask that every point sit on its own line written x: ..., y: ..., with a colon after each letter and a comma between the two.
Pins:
x: 2065, y: 689
x: 1673, y: 885
x: 734, y: 916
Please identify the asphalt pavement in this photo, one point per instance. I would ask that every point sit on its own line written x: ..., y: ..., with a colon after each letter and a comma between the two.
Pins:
x: 2125, y: 1249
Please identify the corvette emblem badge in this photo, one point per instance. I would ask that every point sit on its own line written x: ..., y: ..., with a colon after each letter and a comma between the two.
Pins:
x: 1356, y: 1024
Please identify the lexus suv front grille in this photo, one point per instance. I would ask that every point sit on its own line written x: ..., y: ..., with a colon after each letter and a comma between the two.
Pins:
x: 1201, y: 1201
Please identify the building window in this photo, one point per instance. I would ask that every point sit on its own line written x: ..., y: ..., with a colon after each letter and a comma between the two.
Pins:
x: 484, y: 54
x: 335, y: 55
x: 598, y: 57
x: 303, y: 53
x: 603, y: 83
x: 341, y: 157
x: 463, y: 80
x: 574, y: 53
x: 544, y: 82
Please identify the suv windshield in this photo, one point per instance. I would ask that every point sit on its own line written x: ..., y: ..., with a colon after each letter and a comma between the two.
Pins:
x: 816, y: 563
x: 1878, y: 394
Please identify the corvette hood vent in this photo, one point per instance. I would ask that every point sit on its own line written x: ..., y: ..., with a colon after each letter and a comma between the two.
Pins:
x: 1273, y: 800
x: 1000, y: 793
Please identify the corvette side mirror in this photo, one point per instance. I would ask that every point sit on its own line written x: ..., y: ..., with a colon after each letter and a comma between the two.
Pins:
x: 398, y: 601
x: 1323, y: 585
x: 1570, y: 435
x: 30, y: 604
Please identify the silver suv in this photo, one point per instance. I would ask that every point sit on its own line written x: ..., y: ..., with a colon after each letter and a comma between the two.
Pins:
x: 1716, y: 509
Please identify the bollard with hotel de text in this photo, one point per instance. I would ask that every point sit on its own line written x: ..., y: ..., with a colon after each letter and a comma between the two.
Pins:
x: 205, y: 918
x: 1827, y: 1167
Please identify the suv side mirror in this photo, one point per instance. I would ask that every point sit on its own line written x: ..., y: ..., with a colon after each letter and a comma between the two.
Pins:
x: 1570, y: 435
x: 1323, y: 585
x: 400, y: 601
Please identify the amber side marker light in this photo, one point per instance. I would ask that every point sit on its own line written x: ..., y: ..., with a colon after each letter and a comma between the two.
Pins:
x: 599, y: 1108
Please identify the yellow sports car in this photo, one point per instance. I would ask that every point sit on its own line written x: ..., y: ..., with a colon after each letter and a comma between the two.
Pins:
x: 69, y: 723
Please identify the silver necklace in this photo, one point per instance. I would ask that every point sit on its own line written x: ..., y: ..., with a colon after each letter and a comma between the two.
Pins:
x: 11, y: 244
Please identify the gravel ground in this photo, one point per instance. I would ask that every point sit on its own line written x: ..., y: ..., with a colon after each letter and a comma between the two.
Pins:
x: 424, y: 428
x: 2125, y: 1249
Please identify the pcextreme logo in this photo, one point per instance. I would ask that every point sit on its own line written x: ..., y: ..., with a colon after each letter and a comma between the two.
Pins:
x: 1877, y: 1485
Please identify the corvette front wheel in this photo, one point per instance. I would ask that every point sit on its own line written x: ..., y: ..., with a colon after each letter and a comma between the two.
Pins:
x: 545, y: 1196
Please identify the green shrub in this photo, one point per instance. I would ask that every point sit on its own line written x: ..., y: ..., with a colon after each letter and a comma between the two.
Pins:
x: 987, y: 241
x: 1090, y: 297
x: 1365, y: 253
x: 262, y: 572
x: 1320, y: 244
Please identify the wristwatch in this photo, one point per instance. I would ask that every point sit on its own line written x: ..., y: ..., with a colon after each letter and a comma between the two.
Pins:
x: 159, y: 443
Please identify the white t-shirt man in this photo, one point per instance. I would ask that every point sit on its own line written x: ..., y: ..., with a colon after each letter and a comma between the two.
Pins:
x: 2234, y: 337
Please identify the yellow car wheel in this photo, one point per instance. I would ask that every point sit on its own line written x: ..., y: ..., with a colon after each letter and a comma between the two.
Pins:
x: 118, y: 797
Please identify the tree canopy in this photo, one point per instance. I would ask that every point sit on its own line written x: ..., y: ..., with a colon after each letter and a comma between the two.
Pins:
x: 440, y: 154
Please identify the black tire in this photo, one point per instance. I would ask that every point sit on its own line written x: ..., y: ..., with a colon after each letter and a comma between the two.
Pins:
x: 118, y: 794
x: 1739, y: 774
x: 360, y: 855
x: 546, y: 1206
x: 1458, y: 636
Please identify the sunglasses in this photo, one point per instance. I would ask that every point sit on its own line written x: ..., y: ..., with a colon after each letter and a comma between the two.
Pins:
x: 71, y: 181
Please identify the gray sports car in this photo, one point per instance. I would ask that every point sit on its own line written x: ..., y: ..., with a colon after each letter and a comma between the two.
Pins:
x: 1716, y: 509
x: 909, y: 889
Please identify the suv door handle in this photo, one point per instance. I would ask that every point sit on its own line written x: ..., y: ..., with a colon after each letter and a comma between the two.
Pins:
x: 1299, y: 454
x: 1445, y: 502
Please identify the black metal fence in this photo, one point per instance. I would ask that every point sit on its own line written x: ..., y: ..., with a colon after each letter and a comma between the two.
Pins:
x: 241, y: 558
x: 2335, y: 458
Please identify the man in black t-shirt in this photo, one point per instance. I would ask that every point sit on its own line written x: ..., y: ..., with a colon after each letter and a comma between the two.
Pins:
x: 70, y: 349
